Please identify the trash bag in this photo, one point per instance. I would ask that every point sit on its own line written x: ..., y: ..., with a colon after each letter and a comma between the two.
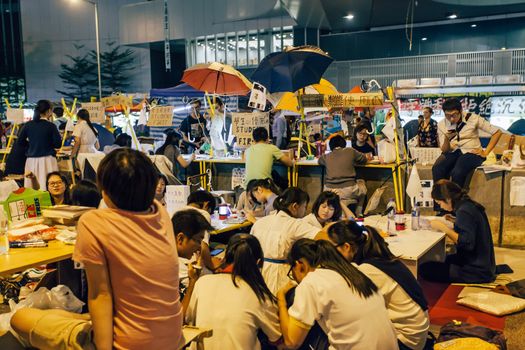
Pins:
x: 59, y: 297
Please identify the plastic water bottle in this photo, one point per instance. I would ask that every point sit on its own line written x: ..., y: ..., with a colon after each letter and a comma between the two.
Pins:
x: 391, y: 208
x: 415, y: 225
x: 4, y: 239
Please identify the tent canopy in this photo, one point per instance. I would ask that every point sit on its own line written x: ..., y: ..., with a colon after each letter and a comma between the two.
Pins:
x: 177, y: 91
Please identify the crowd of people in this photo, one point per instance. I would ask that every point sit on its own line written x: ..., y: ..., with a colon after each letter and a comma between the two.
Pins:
x: 296, y: 280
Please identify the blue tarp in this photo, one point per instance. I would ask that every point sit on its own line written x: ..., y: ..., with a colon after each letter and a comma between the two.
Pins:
x: 177, y: 91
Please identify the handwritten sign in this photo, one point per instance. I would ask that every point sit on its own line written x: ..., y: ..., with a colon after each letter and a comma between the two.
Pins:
x: 15, y: 115
x: 243, y: 125
x: 176, y: 197
x: 161, y: 116
x: 343, y: 100
x: 257, y: 97
x: 117, y: 100
x: 96, y: 111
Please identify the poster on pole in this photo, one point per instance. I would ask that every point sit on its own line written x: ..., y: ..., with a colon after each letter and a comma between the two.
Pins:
x: 15, y: 115
x: 257, y: 97
x: 161, y: 116
x: 96, y: 111
x: 243, y: 125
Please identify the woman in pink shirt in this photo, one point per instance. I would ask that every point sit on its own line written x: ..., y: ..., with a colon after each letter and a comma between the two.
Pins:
x: 129, y: 253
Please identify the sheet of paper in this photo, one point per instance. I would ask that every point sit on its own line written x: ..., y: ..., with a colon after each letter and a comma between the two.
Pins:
x: 517, y: 191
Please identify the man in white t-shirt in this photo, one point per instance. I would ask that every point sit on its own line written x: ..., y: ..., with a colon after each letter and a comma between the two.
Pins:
x: 459, y: 139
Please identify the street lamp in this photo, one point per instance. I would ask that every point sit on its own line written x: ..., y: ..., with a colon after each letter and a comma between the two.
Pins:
x: 95, y: 3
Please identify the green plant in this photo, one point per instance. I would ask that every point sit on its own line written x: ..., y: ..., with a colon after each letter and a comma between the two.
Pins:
x: 79, y: 77
x: 116, y: 64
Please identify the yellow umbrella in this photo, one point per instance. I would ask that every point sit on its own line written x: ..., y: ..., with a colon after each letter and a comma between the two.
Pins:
x: 289, y: 101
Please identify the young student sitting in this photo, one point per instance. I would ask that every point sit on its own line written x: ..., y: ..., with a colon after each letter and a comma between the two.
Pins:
x: 235, y: 303
x: 160, y: 191
x: 405, y: 301
x: 361, y: 141
x: 327, y: 208
x: 86, y: 194
x: 190, y: 227
x: 124, y: 249
x: 205, y: 203
x: 340, y: 172
x: 263, y: 192
x: 279, y: 230
x: 333, y: 292
x: 474, y: 260
x: 58, y: 188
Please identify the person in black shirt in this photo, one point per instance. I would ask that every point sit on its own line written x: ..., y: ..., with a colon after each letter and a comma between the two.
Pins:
x: 474, y: 260
x: 43, y: 138
x: 193, y: 127
x: 361, y: 141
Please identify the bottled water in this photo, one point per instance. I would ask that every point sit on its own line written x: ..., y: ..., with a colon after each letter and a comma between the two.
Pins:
x: 415, y: 218
x: 391, y: 209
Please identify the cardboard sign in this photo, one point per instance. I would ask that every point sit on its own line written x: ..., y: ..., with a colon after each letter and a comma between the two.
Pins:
x: 176, y: 197
x: 26, y: 203
x: 243, y: 125
x: 161, y: 116
x: 117, y: 100
x: 15, y: 115
x: 96, y: 111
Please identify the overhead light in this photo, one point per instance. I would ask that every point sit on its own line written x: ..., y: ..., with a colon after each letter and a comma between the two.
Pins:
x: 503, y: 48
x: 424, y: 39
x: 349, y: 16
x: 452, y: 16
x: 473, y: 25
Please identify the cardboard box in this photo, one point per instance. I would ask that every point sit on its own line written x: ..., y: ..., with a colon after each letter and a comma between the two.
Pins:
x: 26, y: 203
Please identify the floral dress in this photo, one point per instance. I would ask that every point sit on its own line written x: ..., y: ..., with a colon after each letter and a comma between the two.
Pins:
x: 428, y: 136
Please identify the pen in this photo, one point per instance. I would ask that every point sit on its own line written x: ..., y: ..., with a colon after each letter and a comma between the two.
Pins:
x: 36, y: 244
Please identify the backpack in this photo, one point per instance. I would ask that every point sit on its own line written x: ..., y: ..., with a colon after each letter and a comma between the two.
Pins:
x: 457, y: 329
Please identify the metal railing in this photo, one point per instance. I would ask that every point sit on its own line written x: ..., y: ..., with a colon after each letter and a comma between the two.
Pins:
x: 346, y: 74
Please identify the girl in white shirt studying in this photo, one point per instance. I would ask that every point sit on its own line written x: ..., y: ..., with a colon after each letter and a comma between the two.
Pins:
x: 278, y: 231
x: 335, y: 294
x: 404, y: 298
x: 327, y: 208
x: 235, y: 303
x: 85, y: 134
x: 264, y: 192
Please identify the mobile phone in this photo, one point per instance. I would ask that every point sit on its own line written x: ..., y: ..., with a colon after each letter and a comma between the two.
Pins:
x: 216, y: 252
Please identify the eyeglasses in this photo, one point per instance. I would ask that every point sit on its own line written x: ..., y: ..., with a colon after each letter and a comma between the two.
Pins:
x: 290, y: 273
x: 452, y: 114
x: 55, y: 183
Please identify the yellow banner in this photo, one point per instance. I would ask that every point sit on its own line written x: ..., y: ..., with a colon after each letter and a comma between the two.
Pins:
x: 343, y: 100
x: 161, y: 116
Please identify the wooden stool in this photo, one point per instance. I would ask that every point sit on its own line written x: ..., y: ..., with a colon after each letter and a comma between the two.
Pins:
x: 192, y: 334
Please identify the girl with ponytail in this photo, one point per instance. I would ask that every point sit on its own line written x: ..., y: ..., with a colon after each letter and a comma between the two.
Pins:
x: 41, y: 138
x: 236, y: 303
x: 406, y: 304
x: 85, y: 134
x: 263, y: 192
x: 278, y: 231
x: 338, y: 296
